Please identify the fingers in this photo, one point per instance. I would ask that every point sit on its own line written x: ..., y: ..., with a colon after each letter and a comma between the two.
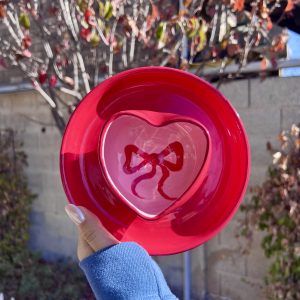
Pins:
x: 90, y: 229
x: 83, y: 249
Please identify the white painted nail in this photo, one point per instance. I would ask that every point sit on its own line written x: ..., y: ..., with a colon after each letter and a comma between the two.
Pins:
x: 74, y: 213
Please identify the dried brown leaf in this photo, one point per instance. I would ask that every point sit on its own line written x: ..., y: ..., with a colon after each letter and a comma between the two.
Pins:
x: 187, y: 3
x: 153, y: 17
x: 239, y: 5
x: 2, y: 11
x: 290, y: 6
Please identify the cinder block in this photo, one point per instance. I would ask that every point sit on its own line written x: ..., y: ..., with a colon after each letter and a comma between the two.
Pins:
x: 37, y: 219
x: 60, y: 202
x: 35, y: 118
x: 30, y: 102
x: 44, y: 203
x: 35, y: 181
x: 5, y: 121
x: 258, y: 147
x: 50, y: 244
x: 67, y: 247
x: 41, y: 162
x: 227, y: 256
x: 59, y: 224
x: 39, y: 240
x: 228, y: 236
x: 257, y: 264
x: 261, y: 123
x: 50, y: 141
x: 213, y: 283
x: 18, y: 122
x: 10, y: 120
x: 228, y: 260
x: 21, y: 101
x: 52, y: 181
x: 237, y: 287
x: 52, y: 225
x: 5, y: 103
x: 290, y: 116
x: 274, y: 92
x: 30, y: 141
x: 236, y: 92
x: 198, y: 274
x: 169, y: 261
x: 214, y: 242
x: 172, y: 268
x: 258, y: 174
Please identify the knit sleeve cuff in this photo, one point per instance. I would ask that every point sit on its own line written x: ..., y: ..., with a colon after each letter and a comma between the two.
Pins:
x: 122, y: 271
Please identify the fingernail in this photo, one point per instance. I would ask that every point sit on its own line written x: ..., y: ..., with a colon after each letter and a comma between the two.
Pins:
x: 74, y: 213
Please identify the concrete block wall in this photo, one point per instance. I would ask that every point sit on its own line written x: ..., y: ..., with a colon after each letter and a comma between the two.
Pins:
x: 218, y: 270
x: 266, y: 108
x: 51, y: 231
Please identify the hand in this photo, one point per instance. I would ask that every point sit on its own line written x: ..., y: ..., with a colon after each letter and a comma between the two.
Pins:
x: 92, y: 236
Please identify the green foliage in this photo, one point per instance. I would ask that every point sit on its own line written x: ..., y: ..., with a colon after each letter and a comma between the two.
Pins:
x: 15, y: 199
x: 275, y: 210
x: 23, y: 274
x: 27, y: 276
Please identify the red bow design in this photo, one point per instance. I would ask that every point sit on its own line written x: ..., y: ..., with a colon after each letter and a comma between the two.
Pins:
x: 155, y: 159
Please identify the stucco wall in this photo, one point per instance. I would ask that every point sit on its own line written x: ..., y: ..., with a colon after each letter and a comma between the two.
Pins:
x: 265, y: 107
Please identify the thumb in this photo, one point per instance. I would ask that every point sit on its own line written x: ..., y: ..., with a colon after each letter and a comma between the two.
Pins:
x: 90, y: 228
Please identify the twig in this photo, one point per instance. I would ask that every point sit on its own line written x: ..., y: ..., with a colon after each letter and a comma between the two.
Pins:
x: 48, y: 49
x: 84, y: 74
x: 214, y: 28
x: 96, y: 69
x: 133, y: 38
x: 76, y: 80
x: 75, y: 22
x: 111, y: 48
x: 250, y: 30
x: 184, y: 39
x: 225, y: 63
x: 12, y: 32
x: 199, y: 8
x: 44, y: 94
x: 71, y: 92
x: 275, y: 5
x: 68, y: 20
x: 15, y: 21
x: 60, y: 99
x: 172, y: 52
x: 56, y: 113
x: 57, y: 72
x: 99, y: 30
x: 124, y: 52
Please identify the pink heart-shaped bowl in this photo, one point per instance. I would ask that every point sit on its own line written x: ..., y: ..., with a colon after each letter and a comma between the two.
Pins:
x: 159, y: 155
x: 161, y: 159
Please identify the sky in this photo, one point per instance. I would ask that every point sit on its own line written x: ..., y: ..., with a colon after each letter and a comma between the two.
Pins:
x: 293, y: 46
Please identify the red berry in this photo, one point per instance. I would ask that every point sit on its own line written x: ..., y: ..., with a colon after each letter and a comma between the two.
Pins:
x: 27, y: 41
x: 87, y: 14
x: 42, y: 77
x: 84, y: 33
x: 53, y: 81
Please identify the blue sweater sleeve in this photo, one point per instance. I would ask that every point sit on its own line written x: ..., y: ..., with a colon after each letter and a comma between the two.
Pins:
x: 125, y: 271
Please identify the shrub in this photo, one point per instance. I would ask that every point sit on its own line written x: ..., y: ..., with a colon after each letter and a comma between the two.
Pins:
x: 23, y: 274
x: 275, y: 210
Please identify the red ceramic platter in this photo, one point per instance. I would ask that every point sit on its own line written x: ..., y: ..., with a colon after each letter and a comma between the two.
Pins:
x: 159, y: 155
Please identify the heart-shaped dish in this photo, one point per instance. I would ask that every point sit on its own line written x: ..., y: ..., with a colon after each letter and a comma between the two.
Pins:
x: 153, y: 160
x: 199, y: 205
